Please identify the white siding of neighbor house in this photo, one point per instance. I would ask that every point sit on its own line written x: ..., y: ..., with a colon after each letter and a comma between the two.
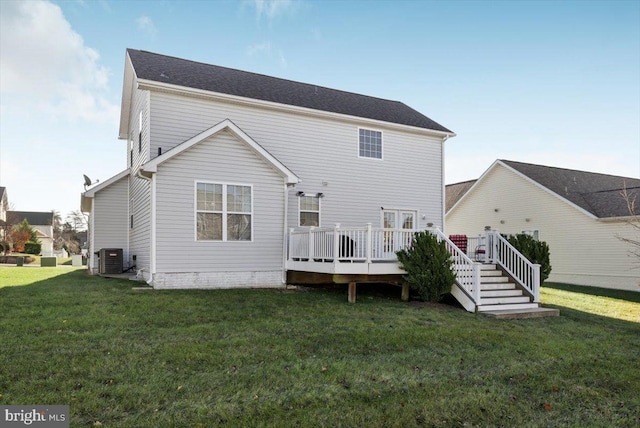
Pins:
x: 110, y: 220
x: 139, y: 189
x: 584, y: 250
x: 323, y: 152
x: 181, y: 260
x: 47, y: 240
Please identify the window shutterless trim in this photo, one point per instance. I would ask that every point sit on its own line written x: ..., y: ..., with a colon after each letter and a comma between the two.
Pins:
x: 224, y: 210
x: 381, y: 143
x: 319, y: 211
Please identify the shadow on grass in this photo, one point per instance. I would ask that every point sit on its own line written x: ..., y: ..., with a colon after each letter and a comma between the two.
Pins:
x: 62, y: 277
x: 630, y: 296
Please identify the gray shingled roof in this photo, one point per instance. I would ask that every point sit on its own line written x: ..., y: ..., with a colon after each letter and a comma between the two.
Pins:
x: 598, y: 194
x: 35, y: 218
x: 176, y: 71
x: 453, y: 192
x: 2, y: 189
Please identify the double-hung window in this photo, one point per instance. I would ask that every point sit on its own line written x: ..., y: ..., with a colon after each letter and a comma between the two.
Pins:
x: 223, y: 212
x: 309, y: 210
x: 369, y: 143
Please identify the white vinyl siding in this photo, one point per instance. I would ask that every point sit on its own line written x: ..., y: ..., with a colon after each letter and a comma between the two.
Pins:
x: 139, y: 189
x: 325, y: 160
x: 583, y: 250
x: 223, y: 212
x: 110, y: 220
x: 369, y: 143
x: 221, y: 158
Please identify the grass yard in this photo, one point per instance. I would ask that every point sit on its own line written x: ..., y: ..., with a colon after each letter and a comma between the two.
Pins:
x: 127, y: 358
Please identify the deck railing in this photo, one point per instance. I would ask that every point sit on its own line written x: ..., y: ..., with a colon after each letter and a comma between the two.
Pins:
x: 467, y: 271
x: 369, y: 245
x: 500, y: 251
x: 355, y: 244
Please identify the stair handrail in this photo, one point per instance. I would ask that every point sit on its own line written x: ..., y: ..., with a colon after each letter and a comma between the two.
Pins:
x: 467, y: 271
x: 515, y: 264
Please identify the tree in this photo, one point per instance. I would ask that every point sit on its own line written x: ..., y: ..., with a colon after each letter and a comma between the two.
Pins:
x: 58, y: 241
x: 74, y: 222
x: 77, y: 221
x: 23, y: 233
x: 429, y: 266
x: 630, y: 197
x: 535, y: 251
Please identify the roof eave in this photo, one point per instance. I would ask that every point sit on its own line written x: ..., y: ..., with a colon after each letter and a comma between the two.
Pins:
x: 147, y: 84
x: 628, y: 218
x: 127, y: 95
x: 90, y: 193
x: 152, y: 166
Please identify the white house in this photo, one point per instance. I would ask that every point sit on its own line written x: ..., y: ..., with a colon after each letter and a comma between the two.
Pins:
x: 42, y: 223
x: 581, y: 215
x: 223, y: 164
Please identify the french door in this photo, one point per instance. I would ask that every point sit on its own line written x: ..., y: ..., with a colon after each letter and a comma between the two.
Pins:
x: 395, y: 239
x: 399, y: 219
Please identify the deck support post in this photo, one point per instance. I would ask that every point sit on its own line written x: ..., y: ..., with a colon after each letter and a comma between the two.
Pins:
x: 352, y: 292
x: 405, y: 292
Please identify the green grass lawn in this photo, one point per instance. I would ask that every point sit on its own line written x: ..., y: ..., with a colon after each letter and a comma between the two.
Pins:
x: 126, y: 358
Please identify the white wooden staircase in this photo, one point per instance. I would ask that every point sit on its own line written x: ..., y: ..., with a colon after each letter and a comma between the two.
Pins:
x: 508, y: 286
x: 499, y: 293
x: 502, y: 298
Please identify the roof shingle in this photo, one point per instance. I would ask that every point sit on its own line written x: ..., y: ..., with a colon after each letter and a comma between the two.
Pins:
x: 176, y: 71
x: 598, y: 194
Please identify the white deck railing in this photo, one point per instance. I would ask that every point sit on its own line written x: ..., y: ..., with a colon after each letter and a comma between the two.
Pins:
x: 467, y: 271
x: 369, y: 245
x: 355, y: 244
x: 500, y: 251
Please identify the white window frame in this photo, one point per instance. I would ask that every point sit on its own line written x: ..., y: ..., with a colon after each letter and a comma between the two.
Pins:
x: 224, y: 211
x: 310, y: 211
x: 381, y: 143
x: 398, y: 216
x: 534, y: 233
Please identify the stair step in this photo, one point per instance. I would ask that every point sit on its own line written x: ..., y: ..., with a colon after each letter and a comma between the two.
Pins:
x: 488, y: 266
x: 500, y: 293
x: 493, y: 279
x: 497, y: 286
x: 523, y: 313
x: 486, y: 273
x: 505, y: 300
x: 485, y: 308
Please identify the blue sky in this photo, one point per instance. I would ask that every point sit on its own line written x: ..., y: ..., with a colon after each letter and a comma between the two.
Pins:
x: 549, y: 82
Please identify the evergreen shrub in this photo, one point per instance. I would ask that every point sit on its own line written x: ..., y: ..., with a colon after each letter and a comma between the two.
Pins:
x: 429, y: 267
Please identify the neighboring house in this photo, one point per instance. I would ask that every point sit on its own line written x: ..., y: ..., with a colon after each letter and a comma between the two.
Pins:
x: 42, y: 223
x: 4, y: 207
x: 581, y: 215
x: 4, y: 204
x: 221, y: 163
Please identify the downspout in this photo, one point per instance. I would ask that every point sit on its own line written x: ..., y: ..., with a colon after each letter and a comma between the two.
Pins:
x: 443, y: 190
x: 285, y: 238
x: 139, y: 174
